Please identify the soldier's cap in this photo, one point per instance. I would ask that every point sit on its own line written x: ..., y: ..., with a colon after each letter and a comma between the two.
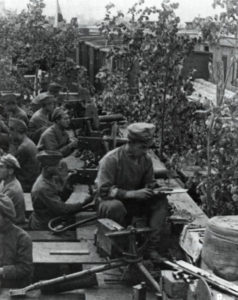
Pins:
x: 9, y: 161
x: 58, y: 113
x: 49, y: 157
x: 141, y: 132
x: 54, y: 86
x: 18, y: 125
x: 43, y: 98
x: 9, y: 98
x: 7, y: 208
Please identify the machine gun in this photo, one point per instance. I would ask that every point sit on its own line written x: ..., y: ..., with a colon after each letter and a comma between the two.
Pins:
x: 85, y: 125
x: 127, y: 258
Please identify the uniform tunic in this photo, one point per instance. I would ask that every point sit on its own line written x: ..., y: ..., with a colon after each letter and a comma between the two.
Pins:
x: 55, y: 138
x: 39, y: 122
x: 48, y: 204
x: 26, y: 155
x: 15, y: 257
x: 120, y: 172
x: 14, y: 191
x: 19, y: 114
x: 118, y: 169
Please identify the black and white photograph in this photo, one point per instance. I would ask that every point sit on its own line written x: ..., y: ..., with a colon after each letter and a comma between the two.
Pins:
x: 119, y: 150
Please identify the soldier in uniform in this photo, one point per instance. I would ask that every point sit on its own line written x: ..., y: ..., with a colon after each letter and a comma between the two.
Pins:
x: 12, y: 109
x: 11, y: 186
x: 125, y: 183
x: 25, y: 151
x: 16, y: 266
x: 40, y: 120
x: 56, y: 136
x: 47, y: 197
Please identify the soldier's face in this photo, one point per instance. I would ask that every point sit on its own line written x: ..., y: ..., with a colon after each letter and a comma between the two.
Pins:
x: 139, y: 149
x: 50, y: 106
x: 64, y: 121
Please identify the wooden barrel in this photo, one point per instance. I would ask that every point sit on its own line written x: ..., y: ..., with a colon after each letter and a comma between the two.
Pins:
x: 220, y: 248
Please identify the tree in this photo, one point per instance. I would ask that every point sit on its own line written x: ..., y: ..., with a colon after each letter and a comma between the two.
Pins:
x: 29, y: 42
x: 219, y: 189
x: 145, y: 83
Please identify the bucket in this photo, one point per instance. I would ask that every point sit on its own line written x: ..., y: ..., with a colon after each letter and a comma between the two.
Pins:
x: 220, y: 248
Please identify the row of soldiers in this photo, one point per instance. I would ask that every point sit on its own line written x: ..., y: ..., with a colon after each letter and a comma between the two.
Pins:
x: 125, y: 183
x: 31, y: 151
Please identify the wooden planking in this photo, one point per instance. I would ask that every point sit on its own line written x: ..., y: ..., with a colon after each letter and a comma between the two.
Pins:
x: 43, y: 236
x: 157, y: 164
x: 183, y: 202
x: 36, y: 295
x: 42, y: 252
x: 73, y: 163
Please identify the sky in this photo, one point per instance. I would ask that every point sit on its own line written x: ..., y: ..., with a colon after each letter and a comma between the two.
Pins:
x: 95, y: 9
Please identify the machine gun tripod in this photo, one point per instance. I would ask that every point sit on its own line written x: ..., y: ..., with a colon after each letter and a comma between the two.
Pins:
x: 127, y: 258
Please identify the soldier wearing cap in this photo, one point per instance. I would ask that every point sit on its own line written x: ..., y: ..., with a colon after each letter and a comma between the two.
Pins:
x: 47, y: 197
x: 124, y: 183
x: 11, y: 186
x: 12, y: 109
x: 25, y: 151
x: 56, y: 136
x: 16, y: 266
x: 54, y: 89
x: 40, y: 120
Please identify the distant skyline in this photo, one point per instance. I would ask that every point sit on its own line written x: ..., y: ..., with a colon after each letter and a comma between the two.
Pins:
x: 92, y: 9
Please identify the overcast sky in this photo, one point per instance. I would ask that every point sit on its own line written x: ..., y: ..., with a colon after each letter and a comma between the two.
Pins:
x: 188, y: 9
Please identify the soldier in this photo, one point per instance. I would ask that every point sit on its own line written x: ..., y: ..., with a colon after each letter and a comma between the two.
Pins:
x: 56, y: 137
x: 125, y: 180
x: 12, y: 109
x: 25, y: 151
x: 46, y: 193
x: 54, y: 89
x: 40, y: 120
x: 11, y: 186
x: 16, y: 266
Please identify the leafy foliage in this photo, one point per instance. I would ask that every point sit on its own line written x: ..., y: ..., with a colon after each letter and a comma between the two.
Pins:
x: 28, y: 41
x: 145, y: 81
x: 218, y: 188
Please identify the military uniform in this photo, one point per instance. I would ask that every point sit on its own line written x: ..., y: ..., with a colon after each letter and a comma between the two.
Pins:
x: 120, y: 172
x: 55, y: 138
x: 39, y: 122
x: 14, y: 191
x: 15, y: 250
x: 47, y: 204
x: 20, y: 114
x: 26, y: 155
x: 11, y: 187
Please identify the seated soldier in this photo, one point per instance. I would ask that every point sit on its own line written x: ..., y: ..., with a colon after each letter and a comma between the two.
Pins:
x: 16, y: 266
x: 54, y: 90
x: 12, y: 109
x: 56, y: 136
x: 11, y: 186
x: 125, y: 180
x: 25, y: 151
x: 40, y: 120
x: 46, y: 193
